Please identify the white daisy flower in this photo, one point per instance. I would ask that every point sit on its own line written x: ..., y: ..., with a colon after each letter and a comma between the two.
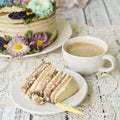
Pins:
x: 18, y: 47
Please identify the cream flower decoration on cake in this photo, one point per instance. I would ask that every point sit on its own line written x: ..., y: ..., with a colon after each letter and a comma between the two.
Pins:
x: 18, y: 47
x: 41, y: 7
x: 5, y: 2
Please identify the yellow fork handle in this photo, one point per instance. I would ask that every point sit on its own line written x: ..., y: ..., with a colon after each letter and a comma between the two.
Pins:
x: 69, y: 108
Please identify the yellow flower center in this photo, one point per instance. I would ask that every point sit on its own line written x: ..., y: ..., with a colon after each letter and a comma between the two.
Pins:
x: 18, y: 46
x: 28, y: 13
x: 39, y: 43
x: 5, y: 46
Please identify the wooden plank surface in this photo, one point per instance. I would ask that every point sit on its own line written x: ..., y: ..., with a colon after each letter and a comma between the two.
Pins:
x: 113, y: 10
x: 14, y: 114
x: 75, y: 15
x: 96, y: 14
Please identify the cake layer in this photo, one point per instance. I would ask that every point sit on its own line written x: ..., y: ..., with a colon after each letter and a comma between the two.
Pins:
x: 67, y: 88
x: 16, y: 27
x: 10, y: 9
x: 33, y: 77
x: 47, y: 83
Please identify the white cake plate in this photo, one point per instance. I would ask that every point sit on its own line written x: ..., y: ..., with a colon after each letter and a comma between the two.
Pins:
x: 24, y: 103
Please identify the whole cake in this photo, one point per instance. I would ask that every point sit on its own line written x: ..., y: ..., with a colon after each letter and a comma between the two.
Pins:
x: 47, y: 83
x: 26, y: 26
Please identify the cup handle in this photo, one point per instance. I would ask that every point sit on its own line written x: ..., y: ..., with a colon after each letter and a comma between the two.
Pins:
x: 111, y: 59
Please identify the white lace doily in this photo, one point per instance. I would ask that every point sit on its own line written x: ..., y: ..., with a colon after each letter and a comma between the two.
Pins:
x: 100, y: 85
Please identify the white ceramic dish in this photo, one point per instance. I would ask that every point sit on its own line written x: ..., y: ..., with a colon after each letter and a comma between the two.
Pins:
x: 24, y: 103
x: 64, y: 33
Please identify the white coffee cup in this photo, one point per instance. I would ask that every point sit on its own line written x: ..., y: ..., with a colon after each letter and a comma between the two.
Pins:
x: 86, y: 64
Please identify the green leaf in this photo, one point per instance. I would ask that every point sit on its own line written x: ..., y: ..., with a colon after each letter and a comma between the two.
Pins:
x: 49, y: 34
x: 27, y: 20
x: 17, y: 2
x: 28, y: 34
x: 9, y: 5
x: 54, y: 8
x: 1, y: 6
x: 34, y: 51
x: 36, y: 17
x: 7, y: 38
x: 26, y: 9
x: 4, y: 52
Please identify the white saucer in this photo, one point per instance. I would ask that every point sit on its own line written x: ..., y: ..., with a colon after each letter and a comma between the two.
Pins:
x: 64, y: 33
x: 24, y: 103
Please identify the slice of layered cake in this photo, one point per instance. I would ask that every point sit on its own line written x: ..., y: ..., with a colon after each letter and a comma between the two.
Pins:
x: 47, y: 83
x: 26, y: 26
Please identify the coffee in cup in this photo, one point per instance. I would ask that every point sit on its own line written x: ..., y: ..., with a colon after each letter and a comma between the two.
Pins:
x: 87, y: 55
x: 84, y: 49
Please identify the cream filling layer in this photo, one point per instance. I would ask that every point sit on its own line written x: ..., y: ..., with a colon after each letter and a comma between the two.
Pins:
x: 42, y: 74
x: 29, y: 82
x: 65, y: 91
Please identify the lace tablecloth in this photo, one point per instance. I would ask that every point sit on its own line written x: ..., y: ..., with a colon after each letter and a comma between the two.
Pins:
x: 97, y: 105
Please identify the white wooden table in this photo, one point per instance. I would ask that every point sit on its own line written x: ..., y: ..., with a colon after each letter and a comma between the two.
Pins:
x: 98, y: 13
